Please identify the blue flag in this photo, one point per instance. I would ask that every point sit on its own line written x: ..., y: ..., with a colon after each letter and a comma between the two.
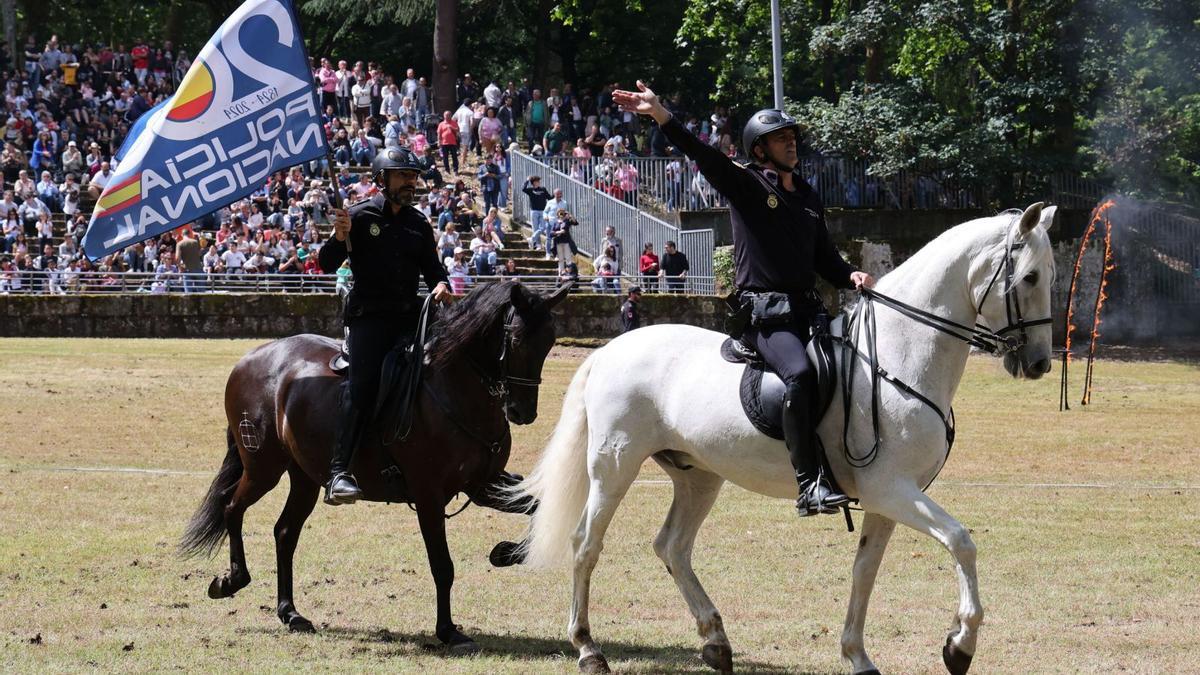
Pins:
x: 245, y: 109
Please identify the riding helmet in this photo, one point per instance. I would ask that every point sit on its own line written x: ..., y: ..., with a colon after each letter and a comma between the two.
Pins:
x: 764, y: 122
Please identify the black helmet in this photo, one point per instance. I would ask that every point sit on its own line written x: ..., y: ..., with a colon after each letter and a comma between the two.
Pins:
x: 394, y: 159
x: 764, y: 122
x: 399, y: 159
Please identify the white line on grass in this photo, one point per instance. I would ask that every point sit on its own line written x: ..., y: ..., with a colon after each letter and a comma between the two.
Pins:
x: 651, y: 481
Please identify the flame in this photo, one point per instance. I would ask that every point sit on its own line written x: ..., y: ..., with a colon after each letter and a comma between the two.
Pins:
x: 1098, y: 215
x: 1101, y: 296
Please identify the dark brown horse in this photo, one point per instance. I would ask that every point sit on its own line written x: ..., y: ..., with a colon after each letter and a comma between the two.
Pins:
x: 482, y: 369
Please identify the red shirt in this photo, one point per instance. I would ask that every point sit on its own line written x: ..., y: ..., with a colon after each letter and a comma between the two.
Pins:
x: 141, y: 56
x: 649, y: 263
x: 447, y: 132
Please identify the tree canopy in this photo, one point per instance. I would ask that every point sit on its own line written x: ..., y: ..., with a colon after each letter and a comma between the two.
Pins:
x: 993, y: 92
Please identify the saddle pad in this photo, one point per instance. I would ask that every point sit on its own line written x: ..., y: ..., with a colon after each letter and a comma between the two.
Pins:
x: 761, y: 391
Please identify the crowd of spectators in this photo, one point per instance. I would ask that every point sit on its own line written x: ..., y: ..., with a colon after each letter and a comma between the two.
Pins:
x: 70, y: 107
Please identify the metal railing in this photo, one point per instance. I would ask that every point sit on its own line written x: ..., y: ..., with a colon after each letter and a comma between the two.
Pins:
x: 67, y: 281
x: 597, y: 210
x: 671, y: 184
x: 60, y: 282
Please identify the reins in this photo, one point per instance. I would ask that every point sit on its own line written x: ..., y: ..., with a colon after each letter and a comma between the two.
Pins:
x: 861, y: 322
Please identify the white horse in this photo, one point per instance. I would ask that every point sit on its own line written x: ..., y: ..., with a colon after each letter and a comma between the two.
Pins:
x: 620, y: 410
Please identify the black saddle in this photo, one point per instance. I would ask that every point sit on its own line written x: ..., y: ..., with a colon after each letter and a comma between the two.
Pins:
x: 762, y: 391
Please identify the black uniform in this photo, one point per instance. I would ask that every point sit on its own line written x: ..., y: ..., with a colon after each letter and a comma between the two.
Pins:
x: 391, y: 251
x: 630, y: 319
x: 778, y: 246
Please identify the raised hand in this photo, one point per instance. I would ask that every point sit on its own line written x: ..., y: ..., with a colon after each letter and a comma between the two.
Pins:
x: 643, y: 102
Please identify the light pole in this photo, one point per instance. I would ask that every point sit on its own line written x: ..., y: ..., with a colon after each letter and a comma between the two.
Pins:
x: 777, y: 54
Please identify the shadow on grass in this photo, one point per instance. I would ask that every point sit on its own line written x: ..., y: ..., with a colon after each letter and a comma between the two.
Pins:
x: 630, y: 656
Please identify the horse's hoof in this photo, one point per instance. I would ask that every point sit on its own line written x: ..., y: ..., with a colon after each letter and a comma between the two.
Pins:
x: 226, y: 587
x: 957, y: 661
x: 299, y: 624
x: 593, y: 665
x: 505, y: 554
x: 718, y: 657
x: 464, y: 648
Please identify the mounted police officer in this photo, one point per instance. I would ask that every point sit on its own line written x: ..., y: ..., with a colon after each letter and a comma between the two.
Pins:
x: 780, y: 245
x: 390, y: 243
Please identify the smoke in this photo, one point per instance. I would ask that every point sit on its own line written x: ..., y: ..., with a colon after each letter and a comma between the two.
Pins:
x: 1153, y: 288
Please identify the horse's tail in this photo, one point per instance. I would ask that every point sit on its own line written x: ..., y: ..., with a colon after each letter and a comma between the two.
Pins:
x: 559, y: 482
x: 206, y: 531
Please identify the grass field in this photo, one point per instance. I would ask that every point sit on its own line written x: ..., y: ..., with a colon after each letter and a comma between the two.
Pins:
x: 1093, y: 569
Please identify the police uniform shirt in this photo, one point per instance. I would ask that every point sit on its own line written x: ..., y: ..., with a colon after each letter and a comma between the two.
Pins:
x: 390, y: 251
x: 629, y: 316
x: 777, y: 246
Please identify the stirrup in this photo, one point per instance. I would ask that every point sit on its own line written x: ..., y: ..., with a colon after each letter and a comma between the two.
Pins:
x: 817, y: 497
x: 347, y: 494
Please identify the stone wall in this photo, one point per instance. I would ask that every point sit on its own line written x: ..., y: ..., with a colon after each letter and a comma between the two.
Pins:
x: 272, y: 316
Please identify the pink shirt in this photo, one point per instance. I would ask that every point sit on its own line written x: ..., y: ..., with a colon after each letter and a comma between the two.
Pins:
x: 489, y: 128
x: 328, y: 79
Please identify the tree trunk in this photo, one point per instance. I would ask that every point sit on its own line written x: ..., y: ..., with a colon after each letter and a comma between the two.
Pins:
x: 874, y: 71
x: 541, y: 45
x: 445, y: 55
x: 828, y: 83
x: 8, y: 12
x: 173, y: 25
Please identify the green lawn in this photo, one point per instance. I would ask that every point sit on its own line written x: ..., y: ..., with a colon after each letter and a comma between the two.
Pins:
x: 1094, y: 579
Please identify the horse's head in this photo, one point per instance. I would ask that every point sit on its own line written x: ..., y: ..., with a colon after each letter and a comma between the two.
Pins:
x: 1012, y: 287
x: 529, y: 335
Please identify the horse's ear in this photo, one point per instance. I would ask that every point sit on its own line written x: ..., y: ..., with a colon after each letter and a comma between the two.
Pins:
x: 1047, y: 220
x: 557, y: 296
x: 1031, y: 217
x: 519, y: 299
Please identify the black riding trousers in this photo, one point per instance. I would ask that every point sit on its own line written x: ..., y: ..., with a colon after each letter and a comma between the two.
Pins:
x: 372, y: 336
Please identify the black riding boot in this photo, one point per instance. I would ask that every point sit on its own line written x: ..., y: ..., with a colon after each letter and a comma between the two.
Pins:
x: 342, y: 488
x: 816, y: 495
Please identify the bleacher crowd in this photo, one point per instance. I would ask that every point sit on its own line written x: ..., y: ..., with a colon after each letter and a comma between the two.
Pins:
x: 70, y: 107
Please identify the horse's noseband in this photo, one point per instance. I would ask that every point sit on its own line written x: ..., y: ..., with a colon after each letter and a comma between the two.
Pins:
x: 500, y: 385
x: 1004, y: 343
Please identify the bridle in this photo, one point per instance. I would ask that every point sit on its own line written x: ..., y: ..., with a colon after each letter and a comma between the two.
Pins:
x: 1012, y: 306
x: 997, y: 343
x: 501, y: 384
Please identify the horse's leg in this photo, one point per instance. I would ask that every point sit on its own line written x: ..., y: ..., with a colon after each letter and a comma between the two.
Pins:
x: 695, y: 493
x: 876, y: 531
x: 257, y: 480
x: 916, y: 510
x: 302, y: 497
x: 610, y: 481
x: 432, y: 517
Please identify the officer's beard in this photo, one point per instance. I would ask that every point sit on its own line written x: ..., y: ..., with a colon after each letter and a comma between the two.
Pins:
x: 402, y: 196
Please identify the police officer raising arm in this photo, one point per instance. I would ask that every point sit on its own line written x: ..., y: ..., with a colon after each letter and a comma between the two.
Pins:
x: 781, y: 244
x: 390, y: 245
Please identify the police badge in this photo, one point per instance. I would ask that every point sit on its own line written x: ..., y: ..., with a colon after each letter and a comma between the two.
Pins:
x: 374, y: 230
x: 772, y: 201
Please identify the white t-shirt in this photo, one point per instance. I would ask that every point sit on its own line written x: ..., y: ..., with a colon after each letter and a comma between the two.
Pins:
x: 100, y: 180
x: 233, y: 260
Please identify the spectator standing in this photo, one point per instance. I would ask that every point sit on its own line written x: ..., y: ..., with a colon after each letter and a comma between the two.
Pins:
x: 448, y: 142
x: 648, y: 265
x: 464, y: 117
x: 674, y: 268
x: 345, y: 83
x: 536, y: 114
x: 563, y: 243
x: 631, y: 318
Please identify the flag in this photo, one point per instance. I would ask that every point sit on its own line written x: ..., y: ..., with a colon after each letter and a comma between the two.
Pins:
x: 246, y: 108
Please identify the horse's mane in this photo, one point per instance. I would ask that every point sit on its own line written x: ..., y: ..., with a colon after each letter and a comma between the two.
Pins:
x: 993, y: 234
x: 458, y: 326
